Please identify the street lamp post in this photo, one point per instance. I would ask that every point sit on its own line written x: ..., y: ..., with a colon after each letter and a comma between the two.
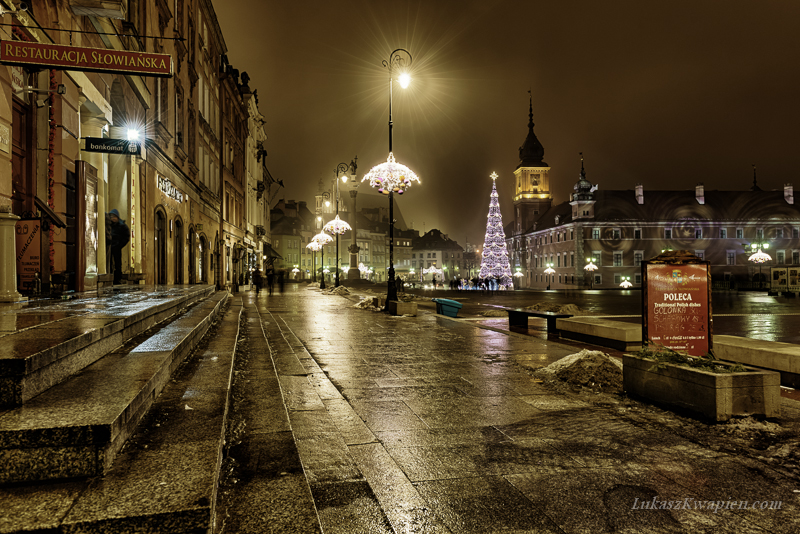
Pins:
x: 313, y: 246
x: 759, y: 257
x: 322, y: 239
x: 337, y: 226
x: 591, y: 267
x: 392, y: 177
x: 549, y: 272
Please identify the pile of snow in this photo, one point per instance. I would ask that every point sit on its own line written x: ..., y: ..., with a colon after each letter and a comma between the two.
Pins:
x: 313, y: 285
x: 408, y: 297
x: 341, y: 290
x: 571, y: 309
x: 368, y: 303
x: 586, y: 368
x: 493, y: 313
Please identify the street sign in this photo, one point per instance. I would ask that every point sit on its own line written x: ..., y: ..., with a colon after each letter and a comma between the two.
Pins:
x: 122, y: 147
x: 677, y: 303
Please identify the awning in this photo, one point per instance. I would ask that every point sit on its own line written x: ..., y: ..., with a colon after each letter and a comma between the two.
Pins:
x: 270, y: 252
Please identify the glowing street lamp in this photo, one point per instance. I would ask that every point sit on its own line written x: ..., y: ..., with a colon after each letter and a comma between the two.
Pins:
x: 322, y: 239
x: 626, y: 282
x: 314, y: 247
x: 338, y: 226
x: 759, y: 256
x: 391, y: 177
x: 549, y: 271
x: 591, y: 267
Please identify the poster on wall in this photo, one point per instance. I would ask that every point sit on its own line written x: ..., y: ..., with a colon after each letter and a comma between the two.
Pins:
x: 779, y: 279
x: 677, y: 306
x: 28, y: 236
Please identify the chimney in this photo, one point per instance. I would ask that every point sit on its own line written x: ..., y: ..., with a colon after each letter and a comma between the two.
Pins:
x: 640, y: 193
x: 699, y: 194
x: 788, y: 193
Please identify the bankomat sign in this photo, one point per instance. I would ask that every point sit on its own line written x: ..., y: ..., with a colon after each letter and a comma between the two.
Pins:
x: 78, y: 58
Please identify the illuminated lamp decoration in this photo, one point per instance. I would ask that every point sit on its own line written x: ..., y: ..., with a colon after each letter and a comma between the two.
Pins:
x: 390, y: 177
x: 494, y: 262
x: 626, y: 282
x: 518, y: 274
x: 760, y: 257
x: 336, y: 226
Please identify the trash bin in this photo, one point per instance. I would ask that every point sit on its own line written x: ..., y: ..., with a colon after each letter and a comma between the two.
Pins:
x: 447, y: 307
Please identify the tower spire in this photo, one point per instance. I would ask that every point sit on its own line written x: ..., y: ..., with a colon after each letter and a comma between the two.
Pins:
x: 755, y: 182
x: 532, y: 151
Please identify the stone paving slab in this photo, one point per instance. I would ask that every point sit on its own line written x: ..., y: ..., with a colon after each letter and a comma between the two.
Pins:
x: 488, y: 448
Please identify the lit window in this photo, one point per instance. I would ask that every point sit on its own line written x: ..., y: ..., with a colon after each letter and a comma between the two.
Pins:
x: 723, y: 233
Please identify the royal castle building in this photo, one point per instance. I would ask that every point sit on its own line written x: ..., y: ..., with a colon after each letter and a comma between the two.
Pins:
x: 618, y: 229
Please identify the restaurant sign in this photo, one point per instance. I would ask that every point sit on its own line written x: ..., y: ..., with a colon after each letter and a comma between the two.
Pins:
x: 84, y: 59
x: 677, y: 304
x: 168, y: 189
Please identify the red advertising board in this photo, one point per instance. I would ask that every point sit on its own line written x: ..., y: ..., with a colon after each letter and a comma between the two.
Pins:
x: 85, y: 59
x: 677, y: 307
x: 29, y: 250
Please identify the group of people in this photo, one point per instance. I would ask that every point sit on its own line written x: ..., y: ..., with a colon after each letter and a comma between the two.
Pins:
x: 271, y: 277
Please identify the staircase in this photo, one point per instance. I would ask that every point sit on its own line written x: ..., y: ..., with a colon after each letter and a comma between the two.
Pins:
x: 105, y: 424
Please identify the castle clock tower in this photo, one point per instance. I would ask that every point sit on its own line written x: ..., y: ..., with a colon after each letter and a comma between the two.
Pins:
x: 532, y: 181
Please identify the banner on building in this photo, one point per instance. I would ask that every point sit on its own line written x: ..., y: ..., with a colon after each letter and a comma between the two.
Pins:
x: 29, y: 253
x: 77, y: 58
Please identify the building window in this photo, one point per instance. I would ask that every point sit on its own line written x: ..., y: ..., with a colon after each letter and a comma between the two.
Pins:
x: 730, y: 257
x: 667, y: 233
x: 595, y: 233
x: 572, y: 259
x: 698, y: 233
x: 615, y: 233
x: 739, y: 233
x: 572, y: 234
x: 434, y: 255
x: 723, y: 233
x: 637, y: 279
x: 796, y: 233
x: 617, y: 279
x: 700, y: 254
x: 596, y: 257
x: 795, y: 257
x: 558, y: 261
x: 598, y: 279
x: 781, y: 257
x: 637, y: 233
x: 618, y: 258
x: 779, y: 233
x: 638, y: 255
x: 759, y: 233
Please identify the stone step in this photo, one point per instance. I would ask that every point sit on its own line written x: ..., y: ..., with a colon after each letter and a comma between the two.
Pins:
x: 76, y: 428
x: 37, y: 358
x: 165, y: 479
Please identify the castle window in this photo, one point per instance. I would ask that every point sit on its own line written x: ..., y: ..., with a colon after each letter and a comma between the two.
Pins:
x: 723, y: 233
x: 595, y: 233
x: 637, y: 233
x: 667, y: 233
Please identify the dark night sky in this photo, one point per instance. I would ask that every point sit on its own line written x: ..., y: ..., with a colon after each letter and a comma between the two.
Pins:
x: 668, y: 94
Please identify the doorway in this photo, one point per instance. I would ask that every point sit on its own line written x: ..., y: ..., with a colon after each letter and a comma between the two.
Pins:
x: 161, y: 248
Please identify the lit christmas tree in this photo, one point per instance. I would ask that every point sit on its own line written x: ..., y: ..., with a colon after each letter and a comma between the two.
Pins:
x: 494, y: 262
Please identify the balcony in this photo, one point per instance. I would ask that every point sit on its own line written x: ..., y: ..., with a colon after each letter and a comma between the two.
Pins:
x: 114, y: 9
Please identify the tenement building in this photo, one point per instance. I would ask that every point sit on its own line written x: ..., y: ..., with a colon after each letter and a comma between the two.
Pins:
x: 612, y: 232
x: 117, y: 105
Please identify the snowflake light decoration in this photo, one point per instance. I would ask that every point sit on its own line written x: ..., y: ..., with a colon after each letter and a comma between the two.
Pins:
x: 760, y: 257
x: 321, y: 239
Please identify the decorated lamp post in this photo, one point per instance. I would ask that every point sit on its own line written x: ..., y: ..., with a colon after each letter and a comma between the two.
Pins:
x: 338, y: 226
x: 591, y: 267
x: 322, y: 239
x: 314, y: 247
x: 392, y: 177
x: 759, y: 257
x: 549, y: 272
x: 626, y: 282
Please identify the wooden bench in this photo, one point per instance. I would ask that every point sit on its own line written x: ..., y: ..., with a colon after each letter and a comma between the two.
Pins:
x: 518, y: 317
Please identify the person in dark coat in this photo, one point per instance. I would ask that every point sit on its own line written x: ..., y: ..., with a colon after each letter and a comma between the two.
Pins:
x: 257, y: 280
x: 270, y: 280
x: 117, y: 236
x: 280, y: 280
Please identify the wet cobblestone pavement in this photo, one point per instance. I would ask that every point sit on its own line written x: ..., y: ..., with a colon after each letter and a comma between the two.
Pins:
x: 429, y: 424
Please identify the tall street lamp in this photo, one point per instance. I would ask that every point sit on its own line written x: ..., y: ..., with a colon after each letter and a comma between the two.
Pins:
x: 759, y: 257
x: 314, y: 247
x: 591, y: 267
x: 392, y: 177
x: 549, y: 271
x: 322, y: 239
x: 338, y: 226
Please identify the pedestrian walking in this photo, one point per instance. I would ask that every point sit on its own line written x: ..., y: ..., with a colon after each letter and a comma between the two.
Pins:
x: 257, y: 280
x: 280, y: 280
x: 270, y: 280
x: 117, y: 236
